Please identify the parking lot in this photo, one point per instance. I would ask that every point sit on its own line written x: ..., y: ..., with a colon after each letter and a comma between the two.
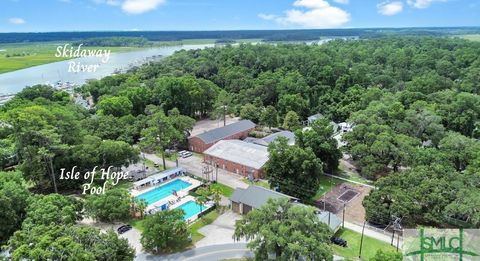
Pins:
x: 206, y: 125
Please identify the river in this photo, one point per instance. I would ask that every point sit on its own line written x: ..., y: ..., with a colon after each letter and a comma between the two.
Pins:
x: 13, y: 82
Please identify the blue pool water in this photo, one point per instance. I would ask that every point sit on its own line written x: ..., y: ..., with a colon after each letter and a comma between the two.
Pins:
x: 191, y: 208
x: 163, y: 191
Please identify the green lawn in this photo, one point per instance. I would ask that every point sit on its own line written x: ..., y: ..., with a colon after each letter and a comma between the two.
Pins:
x: 370, y: 245
x: 225, y: 190
x: 137, y: 223
x: 345, y: 172
x: 205, y: 220
x: 261, y: 183
x: 326, y: 184
x: 471, y: 37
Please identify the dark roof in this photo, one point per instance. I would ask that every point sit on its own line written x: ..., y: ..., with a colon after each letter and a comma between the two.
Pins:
x: 272, y: 137
x: 255, y: 196
x: 223, y: 132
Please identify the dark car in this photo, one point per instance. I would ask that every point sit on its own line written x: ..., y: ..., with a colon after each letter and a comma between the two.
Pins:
x: 124, y: 228
x: 339, y: 241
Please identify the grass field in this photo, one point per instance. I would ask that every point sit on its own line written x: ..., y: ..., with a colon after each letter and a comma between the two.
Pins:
x: 138, y: 224
x: 23, y: 55
x: 369, y: 249
x: 471, y: 37
x: 261, y: 183
x: 326, y: 184
x: 224, y: 189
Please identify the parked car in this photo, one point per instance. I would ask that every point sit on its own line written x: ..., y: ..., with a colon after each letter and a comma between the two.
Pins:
x: 124, y: 228
x: 339, y: 241
x: 185, y: 154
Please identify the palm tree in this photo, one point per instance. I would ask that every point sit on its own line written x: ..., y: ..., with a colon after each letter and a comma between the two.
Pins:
x: 202, y: 197
x: 216, y: 195
x: 141, y: 206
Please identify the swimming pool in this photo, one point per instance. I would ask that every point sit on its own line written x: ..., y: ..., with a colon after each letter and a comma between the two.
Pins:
x: 163, y: 191
x: 191, y: 208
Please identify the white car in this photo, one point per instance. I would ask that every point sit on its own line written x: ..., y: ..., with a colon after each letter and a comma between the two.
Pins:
x: 185, y: 154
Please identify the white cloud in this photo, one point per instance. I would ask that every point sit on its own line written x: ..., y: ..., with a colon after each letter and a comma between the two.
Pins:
x: 312, y: 14
x: 316, y: 4
x: 267, y: 16
x: 133, y: 6
x: 390, y: 8
x: 16, y: 20
x: 108, y: 2
x: 422, y: 3
x: 343, y: 2
x: 140, y: 6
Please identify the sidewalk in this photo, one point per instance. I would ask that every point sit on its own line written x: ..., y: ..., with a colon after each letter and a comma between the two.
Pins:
x: 387, y: 237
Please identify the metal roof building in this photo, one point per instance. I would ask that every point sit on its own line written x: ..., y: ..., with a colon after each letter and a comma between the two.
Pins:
x: 272, y: 137
x: 226, y: 131
x: 237, y: 130
x: 237, y: 151
x: 254, y: 197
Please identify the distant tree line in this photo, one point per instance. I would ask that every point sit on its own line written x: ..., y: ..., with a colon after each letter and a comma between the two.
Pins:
x: 269, y: 35
x: 114, y: 41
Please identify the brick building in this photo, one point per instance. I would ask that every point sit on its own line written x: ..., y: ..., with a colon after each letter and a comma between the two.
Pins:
x: 237, y: 130
x: 246, y: 159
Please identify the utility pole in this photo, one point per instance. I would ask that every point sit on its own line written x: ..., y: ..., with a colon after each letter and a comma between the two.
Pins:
x: 361, y: 241
x: 224, y: 115
x: 343, y: 222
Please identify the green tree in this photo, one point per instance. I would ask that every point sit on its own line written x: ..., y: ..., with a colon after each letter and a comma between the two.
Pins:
x: 182, y: 124
x: 269, y: 117
x: 293, y: 170
x: 164, y: 231
x: 289, y: 231
x: 52, y: 209
x: 291, y: 121
x: 435, y: 188
x: 295, y: 103
x: 216, y: 195
x: 13, y: 197
x: 66, y: 242
x: 112, y: 206
x: 459, y: 149
x: 116, y: 106
x: 159, y: 134
x: 250, y: 112
x: 387, y: 255
x: 320, y: 139
x: 222, y: 106
x: 202, y: 197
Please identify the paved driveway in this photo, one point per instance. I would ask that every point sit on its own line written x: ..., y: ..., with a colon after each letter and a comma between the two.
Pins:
x: 206, y: 125
x: 220, y: 231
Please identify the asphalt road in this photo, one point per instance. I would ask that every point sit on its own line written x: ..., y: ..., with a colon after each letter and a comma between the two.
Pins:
x: 207, y: 253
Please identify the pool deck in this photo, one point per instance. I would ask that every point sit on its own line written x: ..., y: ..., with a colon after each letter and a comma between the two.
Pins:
x: 171, y: 198
x: 195, y: 183
x: 184, y: 200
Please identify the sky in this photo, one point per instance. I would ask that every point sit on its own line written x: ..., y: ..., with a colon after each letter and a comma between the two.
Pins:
x: 202, y: 15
